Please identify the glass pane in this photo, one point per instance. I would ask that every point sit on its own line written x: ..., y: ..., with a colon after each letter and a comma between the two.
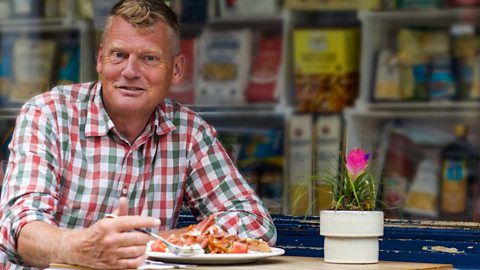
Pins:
x: 304, y: 86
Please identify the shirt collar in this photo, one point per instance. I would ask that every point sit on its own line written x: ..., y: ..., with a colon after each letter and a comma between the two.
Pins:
x: 98, y: 122
x: 163, y: 122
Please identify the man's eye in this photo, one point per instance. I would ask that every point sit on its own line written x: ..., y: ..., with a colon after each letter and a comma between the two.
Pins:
x: 150, y: 58
x: 118, y: 55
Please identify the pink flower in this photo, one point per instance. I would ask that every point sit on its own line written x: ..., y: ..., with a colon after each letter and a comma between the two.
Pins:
x: 357, y: 162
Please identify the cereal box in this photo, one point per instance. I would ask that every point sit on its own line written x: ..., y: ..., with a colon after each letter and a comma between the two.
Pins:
x: 326, y: 68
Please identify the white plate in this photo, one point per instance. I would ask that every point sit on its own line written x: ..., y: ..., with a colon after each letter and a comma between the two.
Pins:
x: 215, y: 258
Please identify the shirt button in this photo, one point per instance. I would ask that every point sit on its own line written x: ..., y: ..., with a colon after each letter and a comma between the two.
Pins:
x: 124, y: 191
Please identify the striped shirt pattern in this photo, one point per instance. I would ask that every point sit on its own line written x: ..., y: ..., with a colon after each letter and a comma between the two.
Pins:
x: 69, y: 166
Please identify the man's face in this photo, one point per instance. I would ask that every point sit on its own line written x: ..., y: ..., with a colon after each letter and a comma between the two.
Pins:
x: 136, y: 67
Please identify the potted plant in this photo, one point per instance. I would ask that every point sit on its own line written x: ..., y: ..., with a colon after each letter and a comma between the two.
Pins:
x: 352, y: 227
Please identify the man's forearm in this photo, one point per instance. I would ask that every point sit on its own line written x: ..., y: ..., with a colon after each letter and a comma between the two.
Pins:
x: 40, y: 243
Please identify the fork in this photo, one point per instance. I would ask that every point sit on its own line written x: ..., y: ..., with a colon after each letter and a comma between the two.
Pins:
x: 185, y: 251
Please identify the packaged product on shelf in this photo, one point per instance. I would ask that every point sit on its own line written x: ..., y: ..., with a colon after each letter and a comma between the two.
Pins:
x: 101, y: 9
x: 69, y: 50
x: 271, y: 185
x: 441, y: 82
x: 475, y: 88
x: 224, y: 59
x: 7, y: 125
x: 263, y: 85
x: 475, y: 200
x: 387, y: 77
x: 239, y: 8
x: 333, y: 4
x: 85, y: 9
x: 328, y: 141
x: 184, y: 90
x: 464, y: 50
x: 233, y: 143
x: 416, y: 48
x: 192, y: 11
x: 6, y: 67
x: 325, y: 68
x: 421, y: 200
x: 300, y: 160
x: 51, y: 8
x: 5, y: 11
x: 26, y: 8
x: 3, y: 168
x: 459, y: 173
x: 32, y: 67
x: 397, y: 172
x: 258, y: 154
x: 463, y: 3
x: 420, y: 4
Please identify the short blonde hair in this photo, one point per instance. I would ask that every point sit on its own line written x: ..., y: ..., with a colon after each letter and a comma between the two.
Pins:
x: 144, y: 14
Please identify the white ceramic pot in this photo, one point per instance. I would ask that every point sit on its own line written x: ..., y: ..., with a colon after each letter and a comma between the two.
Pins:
x: 351, y: 236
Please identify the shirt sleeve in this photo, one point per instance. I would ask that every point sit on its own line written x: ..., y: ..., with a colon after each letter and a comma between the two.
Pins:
x: 29, y: 190
x: 216, y: 187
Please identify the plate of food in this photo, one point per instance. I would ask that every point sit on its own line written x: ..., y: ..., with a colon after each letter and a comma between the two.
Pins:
x: 219, y: 247
x: 226, y: 258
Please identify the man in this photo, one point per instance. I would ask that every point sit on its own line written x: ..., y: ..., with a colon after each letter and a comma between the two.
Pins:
x: 82, y: 151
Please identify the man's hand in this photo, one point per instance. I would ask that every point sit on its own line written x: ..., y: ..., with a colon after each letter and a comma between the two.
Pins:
x: 110, y: 243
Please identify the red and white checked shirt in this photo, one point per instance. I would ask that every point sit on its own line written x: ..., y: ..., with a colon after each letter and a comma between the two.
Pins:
x: 69, y: 166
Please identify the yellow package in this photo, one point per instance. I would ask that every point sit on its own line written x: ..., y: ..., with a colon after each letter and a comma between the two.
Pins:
x: 326, y: 68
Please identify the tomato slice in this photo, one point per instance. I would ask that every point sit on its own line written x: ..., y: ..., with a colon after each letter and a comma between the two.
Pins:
x: 238, y: 247
x: 158, y: 246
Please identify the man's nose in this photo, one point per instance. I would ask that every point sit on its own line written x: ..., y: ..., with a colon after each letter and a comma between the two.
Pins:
x: 131, y: 68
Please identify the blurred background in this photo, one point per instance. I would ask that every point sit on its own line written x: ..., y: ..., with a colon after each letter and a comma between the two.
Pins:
x: 291, y: 85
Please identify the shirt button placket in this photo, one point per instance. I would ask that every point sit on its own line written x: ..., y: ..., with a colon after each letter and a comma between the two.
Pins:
x: 124, y: 191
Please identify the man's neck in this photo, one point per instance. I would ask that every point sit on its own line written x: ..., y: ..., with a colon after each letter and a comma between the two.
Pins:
x: 130, y: 126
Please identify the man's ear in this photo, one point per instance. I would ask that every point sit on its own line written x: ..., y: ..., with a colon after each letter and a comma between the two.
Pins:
x: 178, y: 65
x: 99, y: 66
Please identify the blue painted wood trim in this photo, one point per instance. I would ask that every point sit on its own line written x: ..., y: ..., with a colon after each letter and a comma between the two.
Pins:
x: 402, y: 241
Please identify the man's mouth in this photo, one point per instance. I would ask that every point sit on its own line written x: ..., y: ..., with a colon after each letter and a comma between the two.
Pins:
x: 132, y: 88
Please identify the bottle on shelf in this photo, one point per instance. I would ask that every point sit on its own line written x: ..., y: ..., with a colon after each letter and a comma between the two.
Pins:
x: 459, y: 173
x: 464, y: 53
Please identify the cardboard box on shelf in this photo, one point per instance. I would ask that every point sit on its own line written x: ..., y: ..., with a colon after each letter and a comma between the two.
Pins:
x: 300, y: 160
x: 328, y: 143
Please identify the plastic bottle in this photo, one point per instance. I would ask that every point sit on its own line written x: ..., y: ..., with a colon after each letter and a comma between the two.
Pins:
x: 459, y: 171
